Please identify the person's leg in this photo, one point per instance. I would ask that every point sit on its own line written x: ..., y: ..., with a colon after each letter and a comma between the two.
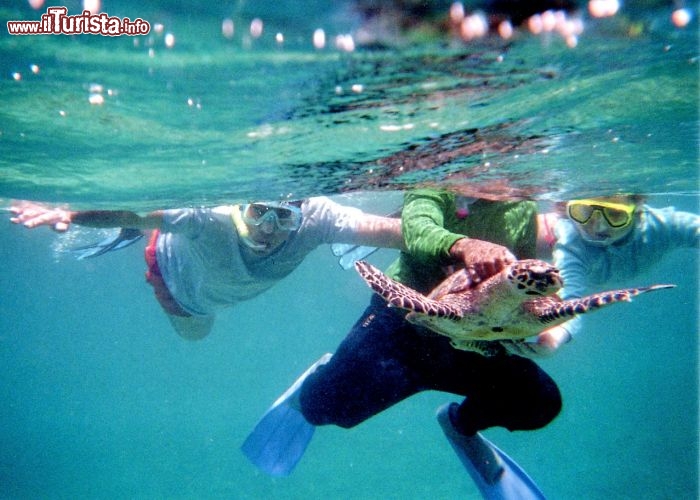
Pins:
x: 367, y: 374
x: 384, y: 360
x: 511, y: 392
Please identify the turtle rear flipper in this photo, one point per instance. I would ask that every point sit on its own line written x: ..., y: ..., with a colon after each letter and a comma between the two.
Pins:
x: 485, y: 348
x: 553, y: 311
x: 401, y: 296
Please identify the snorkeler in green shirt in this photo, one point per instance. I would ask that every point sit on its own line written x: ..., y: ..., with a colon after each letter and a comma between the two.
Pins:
x: 384, y: 359
x: 434, y: 222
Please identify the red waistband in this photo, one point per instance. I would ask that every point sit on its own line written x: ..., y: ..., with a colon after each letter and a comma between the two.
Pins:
x: 155, y: 278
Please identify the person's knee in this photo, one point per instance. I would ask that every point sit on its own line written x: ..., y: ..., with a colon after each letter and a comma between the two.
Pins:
x: 548, y: 412
x: 546, y: 408
x: 523, y: 412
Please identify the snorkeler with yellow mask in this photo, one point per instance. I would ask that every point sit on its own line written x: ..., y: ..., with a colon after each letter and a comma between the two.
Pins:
x: 605, y: 242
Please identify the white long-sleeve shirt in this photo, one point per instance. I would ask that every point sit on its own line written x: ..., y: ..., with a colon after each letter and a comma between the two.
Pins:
x: 200, y: 256
x: 587, y: 268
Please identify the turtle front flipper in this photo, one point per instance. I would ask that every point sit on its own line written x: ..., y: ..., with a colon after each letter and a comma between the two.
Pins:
x: 400, y: 295
x: 556, y: 312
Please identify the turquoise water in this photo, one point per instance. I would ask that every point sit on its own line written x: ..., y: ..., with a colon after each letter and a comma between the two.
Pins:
x: 100, y: 397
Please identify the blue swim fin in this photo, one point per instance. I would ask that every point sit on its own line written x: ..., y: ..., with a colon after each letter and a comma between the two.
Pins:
x: 496, y: 475
x: 125, y: 237
x: 348, y: 254
x: 280, y: 438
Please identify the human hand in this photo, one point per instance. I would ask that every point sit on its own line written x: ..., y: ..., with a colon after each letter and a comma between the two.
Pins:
x: 545, y: 345
x: 482, y: 259
x: 31, y: 215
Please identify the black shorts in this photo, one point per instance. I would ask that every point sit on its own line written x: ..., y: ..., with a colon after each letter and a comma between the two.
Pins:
x: 384, y: 359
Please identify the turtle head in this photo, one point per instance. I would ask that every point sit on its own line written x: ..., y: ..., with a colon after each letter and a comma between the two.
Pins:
x: 534, y: 277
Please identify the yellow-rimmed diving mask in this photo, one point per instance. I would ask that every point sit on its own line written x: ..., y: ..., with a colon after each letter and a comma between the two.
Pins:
x: 617, y: 215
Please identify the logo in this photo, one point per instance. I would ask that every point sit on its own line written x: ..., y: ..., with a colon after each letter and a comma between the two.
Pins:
x: 56, y: 21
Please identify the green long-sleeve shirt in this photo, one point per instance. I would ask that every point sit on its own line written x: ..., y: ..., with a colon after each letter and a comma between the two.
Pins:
x: 433, y: 220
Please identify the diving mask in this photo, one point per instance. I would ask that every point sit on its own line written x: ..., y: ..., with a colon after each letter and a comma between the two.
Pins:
x: 616, y: 215
x: 284, y: 216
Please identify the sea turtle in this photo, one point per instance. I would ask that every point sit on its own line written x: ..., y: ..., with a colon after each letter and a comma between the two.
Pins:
x: 516, y: 303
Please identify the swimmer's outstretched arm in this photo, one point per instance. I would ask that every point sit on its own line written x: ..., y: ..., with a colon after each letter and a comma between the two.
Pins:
x: 378, y: 231
x: 31, y: 215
